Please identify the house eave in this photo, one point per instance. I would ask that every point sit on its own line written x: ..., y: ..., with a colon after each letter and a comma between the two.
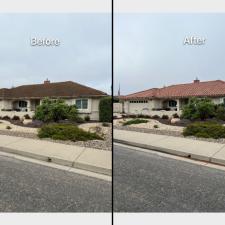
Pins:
x: 55, y: 97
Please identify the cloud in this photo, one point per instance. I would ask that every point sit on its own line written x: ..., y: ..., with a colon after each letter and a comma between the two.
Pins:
x: 84, y: 55
x: 149, y: 50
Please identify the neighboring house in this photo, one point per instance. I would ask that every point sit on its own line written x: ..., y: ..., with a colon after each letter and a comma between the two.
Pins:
x: 117, y: 105
x: 171, y: 99
x: 26, y: 98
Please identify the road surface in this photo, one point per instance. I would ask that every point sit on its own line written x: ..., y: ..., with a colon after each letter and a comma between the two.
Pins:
x: 30, y: 187
x: 147, y: 182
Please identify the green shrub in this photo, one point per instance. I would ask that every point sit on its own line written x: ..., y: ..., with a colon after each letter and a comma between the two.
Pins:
x: 144, y: 116
x: 72, y: 113
x: 133, y: 116
x: 55, y: 110
x: 66, y: 132
x: 198, y: 109
x: 175, y: 115
x: 220, y: 112
x: 134, y: 121
x: 165, y: 117
x: 6, y: 118
x: 155, y: 117
x: 15, y: 117
x: 156, y: 126
x: 79, y: 119
x: 104, y: 124
x: 27, y: 117
x: 8, y: 127
x: 87, y: 118
x: 105, y: 109
x: 205, y: 130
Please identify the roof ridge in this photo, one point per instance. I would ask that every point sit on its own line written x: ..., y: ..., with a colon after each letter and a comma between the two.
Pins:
x: 143, y: 91
x: 24, y: 85
x: 208, y: 81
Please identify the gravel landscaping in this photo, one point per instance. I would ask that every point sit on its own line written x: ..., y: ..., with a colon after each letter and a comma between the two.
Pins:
x: 162, y: 129
x: 149, y: 125
x: 28, y: 132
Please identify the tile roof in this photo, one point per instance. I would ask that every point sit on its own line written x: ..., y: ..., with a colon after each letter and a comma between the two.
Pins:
x: 58, y: 89
x: 195, y: 89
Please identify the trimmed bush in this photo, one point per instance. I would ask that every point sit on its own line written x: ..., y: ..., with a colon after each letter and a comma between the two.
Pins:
x: 66, y: 132
x: 165, y: 117
x: 87, y: 118
x: 155, y: 117
x: 134, y: 121
x: 104, y: 124
x: 16, y: 117
x: 6, y: 118
x: 132, y: 116
x: 105, y: 109
x: 8, y: 127
x: 175, y: 115
x: 205, y: 130
x: 144, y: 116
x: 27, y: 117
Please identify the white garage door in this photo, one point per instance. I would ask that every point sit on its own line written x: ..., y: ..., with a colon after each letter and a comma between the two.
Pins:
x: 139, y: 108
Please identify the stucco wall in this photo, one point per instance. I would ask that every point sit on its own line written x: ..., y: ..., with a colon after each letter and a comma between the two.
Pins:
x: 217, y: 100
x: 92, y: 109
x: 117, y: 107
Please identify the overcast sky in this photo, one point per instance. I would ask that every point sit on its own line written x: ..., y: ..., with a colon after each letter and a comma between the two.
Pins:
x: 149, y: 50
x: 84, y: 55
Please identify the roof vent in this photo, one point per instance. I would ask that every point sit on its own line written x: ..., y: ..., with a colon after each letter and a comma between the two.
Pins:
x: 196, y: 80
x: 47, y: 81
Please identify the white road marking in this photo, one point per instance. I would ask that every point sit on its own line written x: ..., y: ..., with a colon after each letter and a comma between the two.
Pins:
x: 60, y: 167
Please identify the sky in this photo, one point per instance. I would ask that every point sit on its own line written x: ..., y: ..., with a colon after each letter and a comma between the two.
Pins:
x: 84, y: 55
x: 149, y: 50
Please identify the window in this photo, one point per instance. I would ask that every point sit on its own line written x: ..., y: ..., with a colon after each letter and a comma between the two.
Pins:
x: 172, y: 103
x: 22, y: 104
x: 82, y: 103
x: 143, y: 101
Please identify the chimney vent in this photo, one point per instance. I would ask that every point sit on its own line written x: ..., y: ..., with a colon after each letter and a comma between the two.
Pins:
x: 47, y: 81
x: 196, y: 80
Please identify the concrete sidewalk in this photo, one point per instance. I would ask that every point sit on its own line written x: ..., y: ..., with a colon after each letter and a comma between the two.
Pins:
x: 94, y: 160
x: 195, y: 149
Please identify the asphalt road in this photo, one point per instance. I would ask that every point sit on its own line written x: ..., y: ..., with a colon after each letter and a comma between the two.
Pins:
x: 29, y: 187
x: 146, y: 182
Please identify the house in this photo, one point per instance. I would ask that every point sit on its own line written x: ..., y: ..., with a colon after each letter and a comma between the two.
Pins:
x: 24, y: 99
x: 169, y: 100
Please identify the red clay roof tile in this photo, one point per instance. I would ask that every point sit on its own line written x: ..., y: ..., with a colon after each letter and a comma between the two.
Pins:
x: 196, y: 89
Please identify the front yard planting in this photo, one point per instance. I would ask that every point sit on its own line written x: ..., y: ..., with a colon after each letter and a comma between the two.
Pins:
x: 66, y: 132
x: 205, y: 130
x: 59, y: 122
x: 134, y: 121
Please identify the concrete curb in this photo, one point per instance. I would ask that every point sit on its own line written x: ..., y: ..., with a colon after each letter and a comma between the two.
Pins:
x: 59, y: 161
x: 173, y: 152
